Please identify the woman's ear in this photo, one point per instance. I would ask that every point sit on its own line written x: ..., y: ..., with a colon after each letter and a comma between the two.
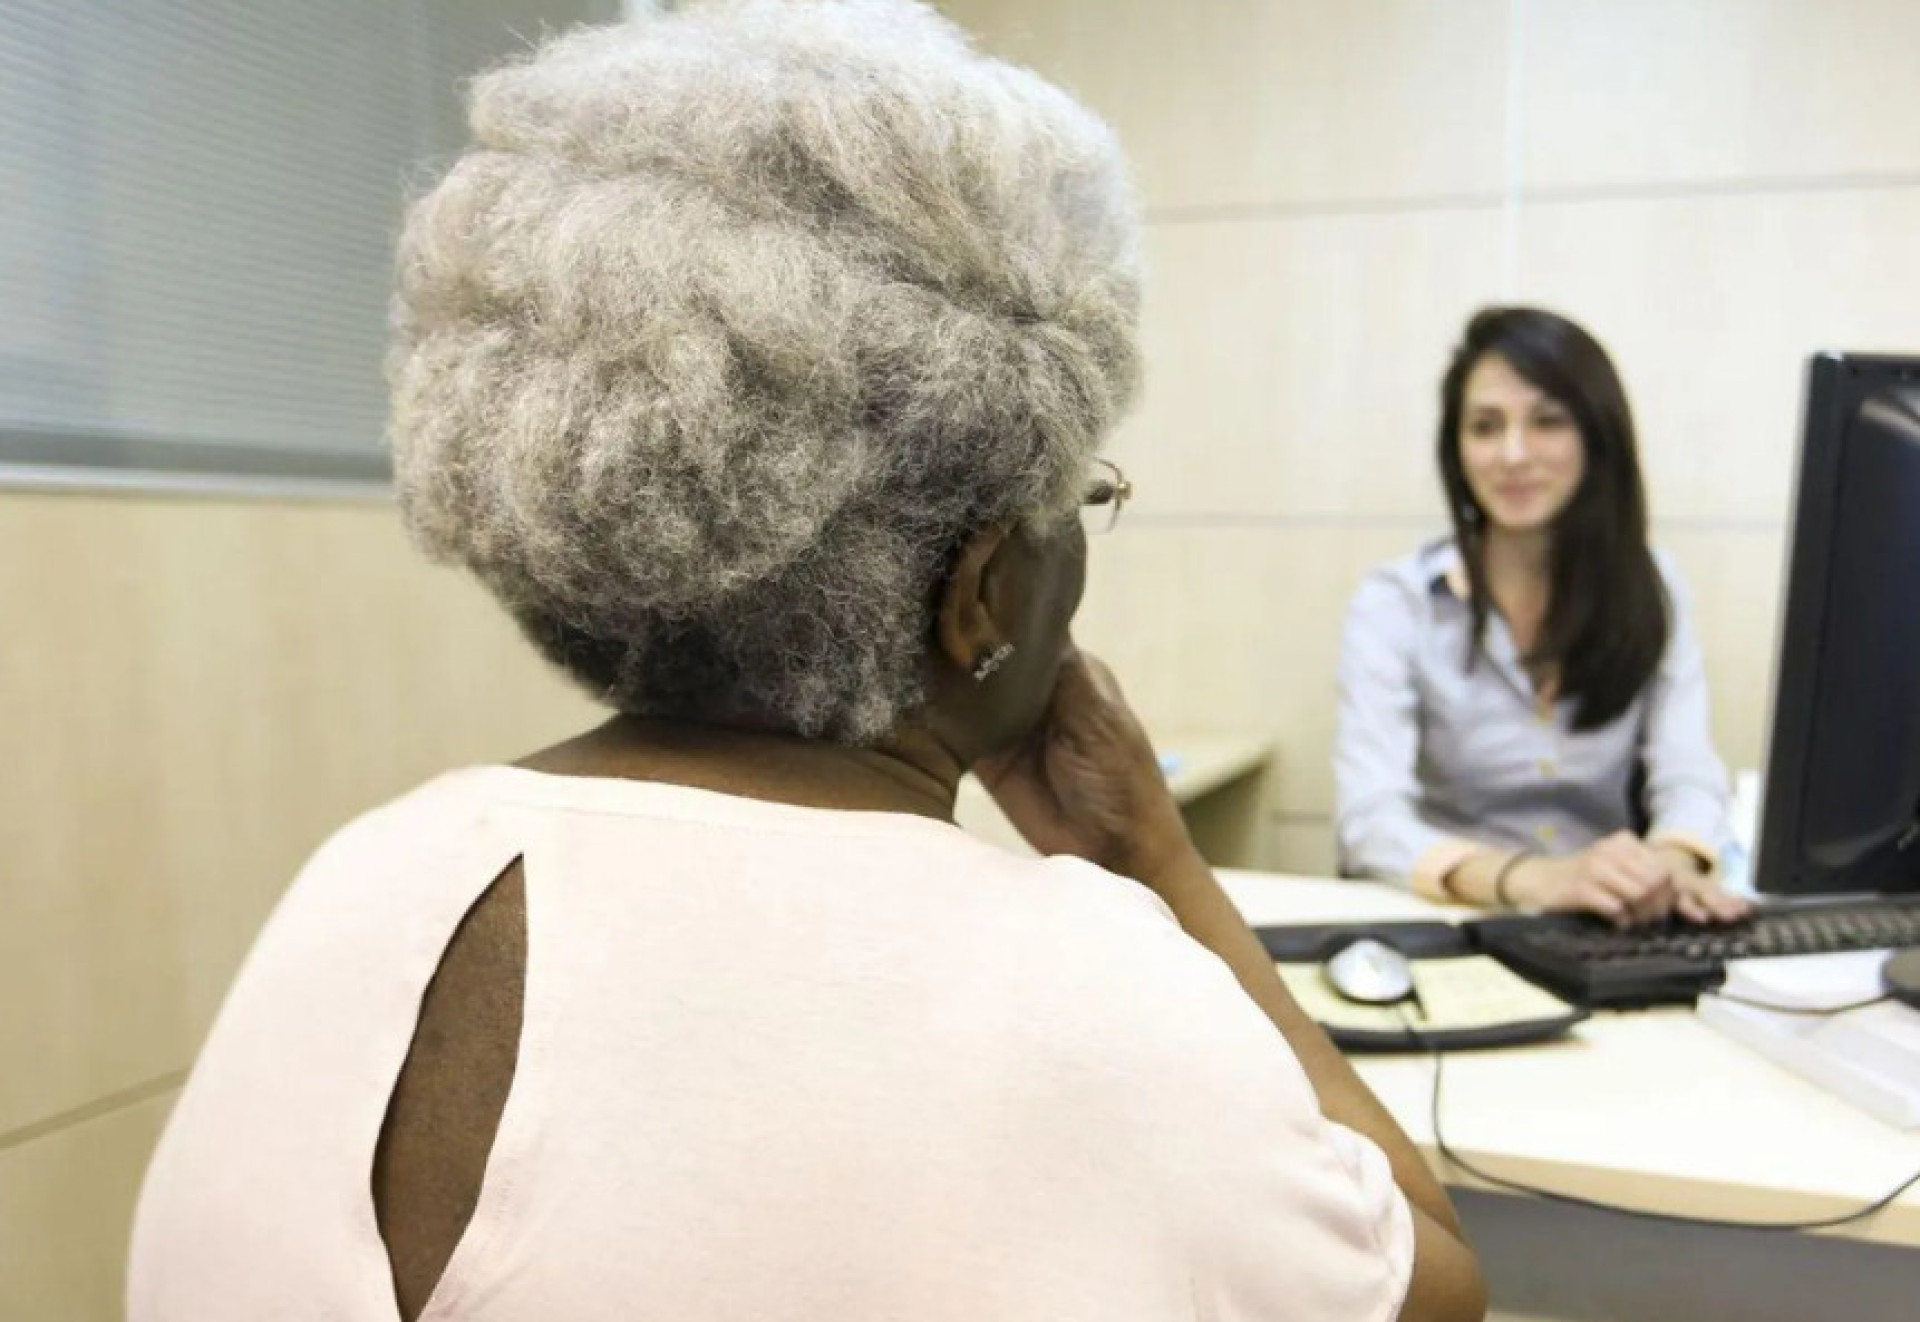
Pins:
x: 967, y: 625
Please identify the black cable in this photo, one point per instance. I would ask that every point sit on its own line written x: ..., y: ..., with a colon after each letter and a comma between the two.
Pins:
x: 1814, y: 1012
x: 1593, y: 1204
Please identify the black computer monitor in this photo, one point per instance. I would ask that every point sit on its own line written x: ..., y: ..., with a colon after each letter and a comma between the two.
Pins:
x: 1841, y: 807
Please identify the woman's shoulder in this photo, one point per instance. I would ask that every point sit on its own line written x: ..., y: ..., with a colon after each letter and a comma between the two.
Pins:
x: 409, y: 815
x: 1131, y: 941
x: 1672, y: 581
x: 1133, y: 994
x: 1110, y: 930
x: 1663, y: 560
x: 1401, y: 590
x: 1431, y: 565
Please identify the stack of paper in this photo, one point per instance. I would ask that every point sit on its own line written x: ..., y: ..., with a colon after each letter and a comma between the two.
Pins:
x: 1870, y: 1056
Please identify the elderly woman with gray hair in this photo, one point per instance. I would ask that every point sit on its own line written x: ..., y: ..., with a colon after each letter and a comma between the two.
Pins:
x: 756, y: 358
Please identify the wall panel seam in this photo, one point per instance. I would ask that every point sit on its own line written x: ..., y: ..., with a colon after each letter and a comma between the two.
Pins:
x: 1756, y: 186
x: 1203, y: 213
x: 1433, y: 524
x: 1520, y: 195
x: 93, y: 1110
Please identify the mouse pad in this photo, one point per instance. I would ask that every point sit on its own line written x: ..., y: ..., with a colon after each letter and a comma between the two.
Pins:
x: 1466, y: 1000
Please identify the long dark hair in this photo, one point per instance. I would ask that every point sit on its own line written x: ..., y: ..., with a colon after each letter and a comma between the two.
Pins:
x: 1606, y: 624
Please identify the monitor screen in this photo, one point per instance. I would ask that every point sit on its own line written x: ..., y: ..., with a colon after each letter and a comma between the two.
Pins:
x: 1841, y: 810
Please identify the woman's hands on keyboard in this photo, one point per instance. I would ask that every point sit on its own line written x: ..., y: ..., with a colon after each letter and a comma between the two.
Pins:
x: 1698, y: 895
x: 1627, y: 881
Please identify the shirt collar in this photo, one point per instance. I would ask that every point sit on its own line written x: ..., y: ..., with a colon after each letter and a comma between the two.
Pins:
x: 1442, y: 567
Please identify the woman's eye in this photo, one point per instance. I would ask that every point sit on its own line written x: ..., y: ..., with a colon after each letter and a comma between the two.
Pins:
x: 1484, y: 427
x: 1552, y: 421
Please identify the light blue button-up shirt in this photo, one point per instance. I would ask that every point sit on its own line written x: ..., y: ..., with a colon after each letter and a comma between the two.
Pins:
x: 1433, y: 760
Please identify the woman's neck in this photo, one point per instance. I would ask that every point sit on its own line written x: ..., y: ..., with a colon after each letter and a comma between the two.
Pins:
x: 1519, y: 559
x: 1519, y: 575
x: 909, y: 773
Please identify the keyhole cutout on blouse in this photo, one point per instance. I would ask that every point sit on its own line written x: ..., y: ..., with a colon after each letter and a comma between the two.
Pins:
x: 444, y: 1113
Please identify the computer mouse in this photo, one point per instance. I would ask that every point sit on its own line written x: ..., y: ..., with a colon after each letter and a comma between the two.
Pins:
x: 1900, y: 976
x: 1370, y: 972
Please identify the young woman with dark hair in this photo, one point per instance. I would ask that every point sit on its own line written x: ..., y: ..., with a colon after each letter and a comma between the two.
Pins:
x: 1523, y: 708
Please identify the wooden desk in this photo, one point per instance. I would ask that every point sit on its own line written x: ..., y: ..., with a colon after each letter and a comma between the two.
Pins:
x: 1653, y: 1110
x: 1215, y: 778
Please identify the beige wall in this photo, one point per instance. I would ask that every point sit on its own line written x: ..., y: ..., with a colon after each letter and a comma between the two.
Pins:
x: 192, y: 694
x: 1715, y: 187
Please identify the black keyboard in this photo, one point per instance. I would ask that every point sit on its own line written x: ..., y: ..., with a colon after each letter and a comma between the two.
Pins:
x: 1594, y: 964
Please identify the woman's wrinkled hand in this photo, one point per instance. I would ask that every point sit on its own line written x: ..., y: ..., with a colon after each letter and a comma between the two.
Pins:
x: 1086, y: 781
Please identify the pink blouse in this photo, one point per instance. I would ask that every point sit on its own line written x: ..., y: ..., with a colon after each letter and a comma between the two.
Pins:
x: 777, y: 1063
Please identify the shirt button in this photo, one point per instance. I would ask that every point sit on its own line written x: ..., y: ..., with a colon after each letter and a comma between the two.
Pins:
x: 1546, y: 834
x: 1546, y: 768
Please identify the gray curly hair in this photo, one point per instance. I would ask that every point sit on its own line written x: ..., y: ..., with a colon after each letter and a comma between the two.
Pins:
x: 735, y: 320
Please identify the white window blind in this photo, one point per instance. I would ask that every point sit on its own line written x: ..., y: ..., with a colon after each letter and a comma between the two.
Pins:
x: 198, y: 200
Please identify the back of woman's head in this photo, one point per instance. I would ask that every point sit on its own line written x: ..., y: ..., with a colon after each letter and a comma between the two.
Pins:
x: 733, y: 321
x: 1606, y: 625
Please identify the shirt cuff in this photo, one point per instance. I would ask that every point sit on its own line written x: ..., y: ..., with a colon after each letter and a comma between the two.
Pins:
x: 1431, y: 868
x: 1709, y: 856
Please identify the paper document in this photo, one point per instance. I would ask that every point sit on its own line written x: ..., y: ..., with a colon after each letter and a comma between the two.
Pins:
x: 1464, y: 993
x: 1808, y: 982
x: 1870, y: 1055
